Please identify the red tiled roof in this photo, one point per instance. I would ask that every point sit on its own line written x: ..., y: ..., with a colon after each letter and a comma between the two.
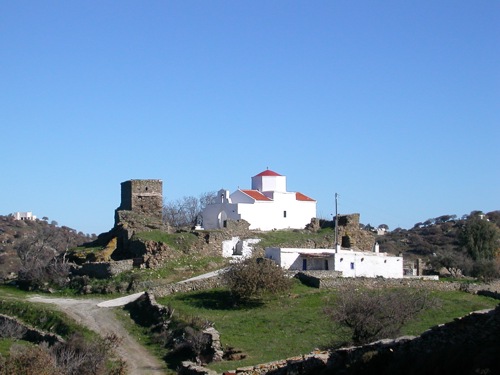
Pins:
x: 268, y: 172
x: 255, y: 194
x: 302, y: 197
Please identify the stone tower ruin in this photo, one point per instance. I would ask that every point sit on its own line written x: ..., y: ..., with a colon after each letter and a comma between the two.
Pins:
x: 141, y: 198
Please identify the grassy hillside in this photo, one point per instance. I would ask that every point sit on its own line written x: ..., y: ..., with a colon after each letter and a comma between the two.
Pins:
x: 41, y: 316
x: 295, y: 324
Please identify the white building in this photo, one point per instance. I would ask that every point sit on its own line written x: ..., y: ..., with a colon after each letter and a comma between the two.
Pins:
x: 238, y: 249
x: 266, y: 206
x: 351, y: 263
x: 24, y: 216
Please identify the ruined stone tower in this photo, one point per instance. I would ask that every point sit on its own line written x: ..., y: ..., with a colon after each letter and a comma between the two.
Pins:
x: 141, y: 198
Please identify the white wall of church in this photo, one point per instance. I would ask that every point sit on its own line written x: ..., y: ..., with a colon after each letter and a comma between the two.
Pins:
x: 215, y: 214
x: 269, y: 183
x: 281, y: 211
x: 269, y: 215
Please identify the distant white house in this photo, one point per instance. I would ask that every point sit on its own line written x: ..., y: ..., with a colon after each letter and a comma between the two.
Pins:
x: 266, y: 206
x: 351, y: 263
x: 24, y: 216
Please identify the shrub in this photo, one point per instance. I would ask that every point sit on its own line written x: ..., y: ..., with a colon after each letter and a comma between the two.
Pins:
x: 26, y: 360
x: 377, y: 314
x: 76, y: 356
x: 486, y: 270
x: 254, y: 277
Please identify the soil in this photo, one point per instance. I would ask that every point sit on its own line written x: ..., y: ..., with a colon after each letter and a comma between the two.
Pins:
x: 103, y: 321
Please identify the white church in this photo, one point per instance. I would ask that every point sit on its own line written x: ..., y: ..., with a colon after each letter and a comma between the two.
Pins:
x: 266, y: 206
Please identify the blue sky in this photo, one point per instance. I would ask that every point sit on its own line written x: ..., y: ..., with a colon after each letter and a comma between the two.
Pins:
x: 394, y: 105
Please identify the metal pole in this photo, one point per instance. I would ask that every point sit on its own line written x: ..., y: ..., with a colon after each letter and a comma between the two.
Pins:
x: 336, y: 222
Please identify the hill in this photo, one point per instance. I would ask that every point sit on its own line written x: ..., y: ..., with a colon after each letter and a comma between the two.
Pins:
x: 13, y: 233
x: 439, y: 240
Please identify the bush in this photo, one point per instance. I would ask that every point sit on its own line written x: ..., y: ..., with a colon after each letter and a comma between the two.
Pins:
x: 26, y: 360
x: 75, y: 356
x: 481, y: 238
x: 255, y: 277
x: 377, y: 314
x: 486, y: 270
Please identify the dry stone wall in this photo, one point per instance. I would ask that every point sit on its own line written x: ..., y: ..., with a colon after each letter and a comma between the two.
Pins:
x: 13, y: 328
x: 189, y: 286
x: 323, y: 279
x: 468, y: 345
x: 151, y: 313
x: 104, y: 270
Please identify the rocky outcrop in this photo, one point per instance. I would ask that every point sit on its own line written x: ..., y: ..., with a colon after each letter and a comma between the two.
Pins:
x: 147, y: 312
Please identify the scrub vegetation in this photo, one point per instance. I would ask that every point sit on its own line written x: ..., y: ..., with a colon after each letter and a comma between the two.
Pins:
x: 295, y: 322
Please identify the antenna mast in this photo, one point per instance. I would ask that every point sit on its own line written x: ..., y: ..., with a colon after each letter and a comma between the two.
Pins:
x: 336, y: 222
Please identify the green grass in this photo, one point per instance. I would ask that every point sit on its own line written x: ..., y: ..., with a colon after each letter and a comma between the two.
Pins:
x: 10, y: 291
x: 278, y: 328
x: 38, y: 315
x: 182, y: 241
x: 141, y: 334
x: 183, y: 267
x: 295, y: 324
x: 453, y: 304
x: 290, y: 237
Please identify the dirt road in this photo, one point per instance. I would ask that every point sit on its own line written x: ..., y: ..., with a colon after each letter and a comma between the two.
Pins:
x: 103, y: 321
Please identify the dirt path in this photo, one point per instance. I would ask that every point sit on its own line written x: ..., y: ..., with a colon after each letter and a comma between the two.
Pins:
x: 103, y: 321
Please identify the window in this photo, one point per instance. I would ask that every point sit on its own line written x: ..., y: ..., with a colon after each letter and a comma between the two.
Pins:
x: 352, y: 265
x: 326, y: 264
x: 284, y: 213
x: 304, y: 264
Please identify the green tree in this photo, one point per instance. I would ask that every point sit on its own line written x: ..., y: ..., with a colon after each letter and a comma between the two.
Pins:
x: 457, y: 263
x: 480, y: 238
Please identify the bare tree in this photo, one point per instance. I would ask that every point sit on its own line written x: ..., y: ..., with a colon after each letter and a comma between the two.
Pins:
x: 11, y: 329
x: 42, y: 256
x: 377, y: 314
x: 79, y: 356
x: 187, y: 210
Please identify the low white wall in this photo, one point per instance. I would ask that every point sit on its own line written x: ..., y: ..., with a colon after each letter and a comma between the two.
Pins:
x: 350, y: 263
x: 365, y: 264
x: 238, y: 248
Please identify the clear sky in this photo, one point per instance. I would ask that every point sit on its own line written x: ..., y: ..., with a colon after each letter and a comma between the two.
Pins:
x: 394, y: 105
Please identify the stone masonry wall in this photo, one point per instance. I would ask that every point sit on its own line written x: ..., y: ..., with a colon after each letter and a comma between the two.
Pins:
x: 104, y: 270
x: 320, y: 279
x: 466, y: 345
x: 152, y: 313
x: 189, y: 286
x: 21, y: 331
x: 143, y: 197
